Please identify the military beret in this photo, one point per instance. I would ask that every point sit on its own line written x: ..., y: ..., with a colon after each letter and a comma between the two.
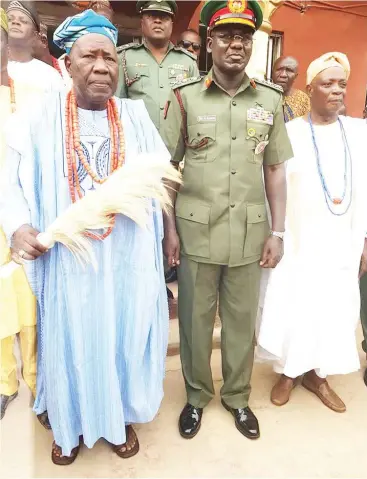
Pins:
x: 242, y: 12
x: 157, y: 6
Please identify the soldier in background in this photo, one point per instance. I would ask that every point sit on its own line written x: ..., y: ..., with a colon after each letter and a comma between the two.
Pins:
x: 148, y: 70
x: 230, y: 130
x: 190, y: 40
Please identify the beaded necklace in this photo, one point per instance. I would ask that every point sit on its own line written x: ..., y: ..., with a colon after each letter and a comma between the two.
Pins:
x: 347, y: 166
x: 12, y: 95
x: 74, y: 149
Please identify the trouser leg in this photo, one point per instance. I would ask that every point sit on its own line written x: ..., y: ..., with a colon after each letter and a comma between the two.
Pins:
x: 197, y: 302
x: 9, y: 380
x: 238, y: 303
x: 28, y: 346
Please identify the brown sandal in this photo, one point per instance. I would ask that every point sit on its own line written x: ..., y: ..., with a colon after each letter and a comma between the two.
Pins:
x: 131, y: 446
x: 60, y: 460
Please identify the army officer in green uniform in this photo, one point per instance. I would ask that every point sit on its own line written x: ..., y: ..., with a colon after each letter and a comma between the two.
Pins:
x: 148, y: 70
x: 231, y: 131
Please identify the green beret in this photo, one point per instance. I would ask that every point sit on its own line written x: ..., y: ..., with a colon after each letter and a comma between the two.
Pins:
x: 157, y: 6
x: 244, y: 12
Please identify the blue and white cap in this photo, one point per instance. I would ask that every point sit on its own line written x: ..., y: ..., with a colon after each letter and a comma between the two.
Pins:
x: 86, y: 22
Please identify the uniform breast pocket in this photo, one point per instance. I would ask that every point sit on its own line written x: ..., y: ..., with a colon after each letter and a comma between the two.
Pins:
x: 140, y: 79
x: 193, y: 228
x: 201, y: 139
x: 257, y: 136
x: 177, y: 75
x: 257, y: 228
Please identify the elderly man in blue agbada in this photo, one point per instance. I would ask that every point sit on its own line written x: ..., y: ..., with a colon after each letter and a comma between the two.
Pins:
x: 102, y: 336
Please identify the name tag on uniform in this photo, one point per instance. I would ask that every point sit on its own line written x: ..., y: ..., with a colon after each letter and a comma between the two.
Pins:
x: 178, y: 67
x: 141, y: 65
x: 260, y: 115
x: 207, y: 118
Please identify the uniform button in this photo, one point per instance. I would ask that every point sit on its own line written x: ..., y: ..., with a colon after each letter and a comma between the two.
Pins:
x: 160, y: 66
x: 162, y: 107
x: 234, y: 103
x: 232, y: 205
x: 233, y: 172
x: 191, y: 214
x: 161, y: 86
x: 234, y: 137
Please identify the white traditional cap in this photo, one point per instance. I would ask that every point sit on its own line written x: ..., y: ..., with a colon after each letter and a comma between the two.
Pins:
x: 328, y: 60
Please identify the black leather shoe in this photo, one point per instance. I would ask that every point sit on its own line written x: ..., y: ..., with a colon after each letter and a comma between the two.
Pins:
x: 245, y: 421
x: 365, y: 377
x: 5, y: 401
x: 190, y: 421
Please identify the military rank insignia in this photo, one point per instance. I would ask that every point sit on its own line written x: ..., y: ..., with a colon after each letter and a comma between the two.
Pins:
x: 237, y: 6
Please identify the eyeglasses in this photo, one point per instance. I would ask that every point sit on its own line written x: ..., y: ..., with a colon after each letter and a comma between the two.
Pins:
x: 228, y: 38
x: 186, y: 45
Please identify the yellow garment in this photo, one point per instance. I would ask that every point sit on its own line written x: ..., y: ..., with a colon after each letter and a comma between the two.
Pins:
x: 328, y: 60
x: 296, y: 105
x: 17, y: 304
x: 3, y: 20
x: 28, y: 348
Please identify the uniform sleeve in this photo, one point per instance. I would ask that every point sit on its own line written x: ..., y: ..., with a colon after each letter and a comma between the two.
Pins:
x: 121, y: 90
x: 279, y: 148
x: 171, y: 129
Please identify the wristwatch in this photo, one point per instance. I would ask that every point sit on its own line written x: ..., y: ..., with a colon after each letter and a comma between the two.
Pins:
x: 278, y: 234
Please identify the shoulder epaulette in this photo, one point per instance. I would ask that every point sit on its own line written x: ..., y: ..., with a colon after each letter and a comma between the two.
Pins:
x: 180, y: 49
x: 270, y: 84
x: 186, y: 81
x: 128, y: 46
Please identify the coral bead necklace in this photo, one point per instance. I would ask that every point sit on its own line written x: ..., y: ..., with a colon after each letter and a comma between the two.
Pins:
x: 74, y: 149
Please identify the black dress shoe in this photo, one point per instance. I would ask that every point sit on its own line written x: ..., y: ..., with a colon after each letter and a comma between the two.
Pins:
x: 245, y: 420
x: 190, y: 421
x: 5, y: 401
x: 365, y: 377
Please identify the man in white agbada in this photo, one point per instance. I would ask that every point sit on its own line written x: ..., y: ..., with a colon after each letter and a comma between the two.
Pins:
x: 102, y: 337
x: 311, y: 306
x: 24, y: 27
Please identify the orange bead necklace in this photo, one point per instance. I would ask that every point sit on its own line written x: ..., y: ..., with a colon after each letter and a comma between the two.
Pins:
x: 74, y: 149
x: 12, y: 95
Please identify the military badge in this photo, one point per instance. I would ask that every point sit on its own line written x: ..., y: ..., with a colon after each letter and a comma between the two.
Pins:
x: 260, y: 115
x: 237, y: 6
x: 260, y: 147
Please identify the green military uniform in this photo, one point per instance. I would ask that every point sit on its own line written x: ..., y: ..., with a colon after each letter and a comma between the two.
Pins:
x: 222, y: 222
x: 142, y: 77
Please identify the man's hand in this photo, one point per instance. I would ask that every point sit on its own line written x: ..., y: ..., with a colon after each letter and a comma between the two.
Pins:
x: 24, y: 244
x: 171, y: 248
x: 363, y: 265
x: 272, y: 252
